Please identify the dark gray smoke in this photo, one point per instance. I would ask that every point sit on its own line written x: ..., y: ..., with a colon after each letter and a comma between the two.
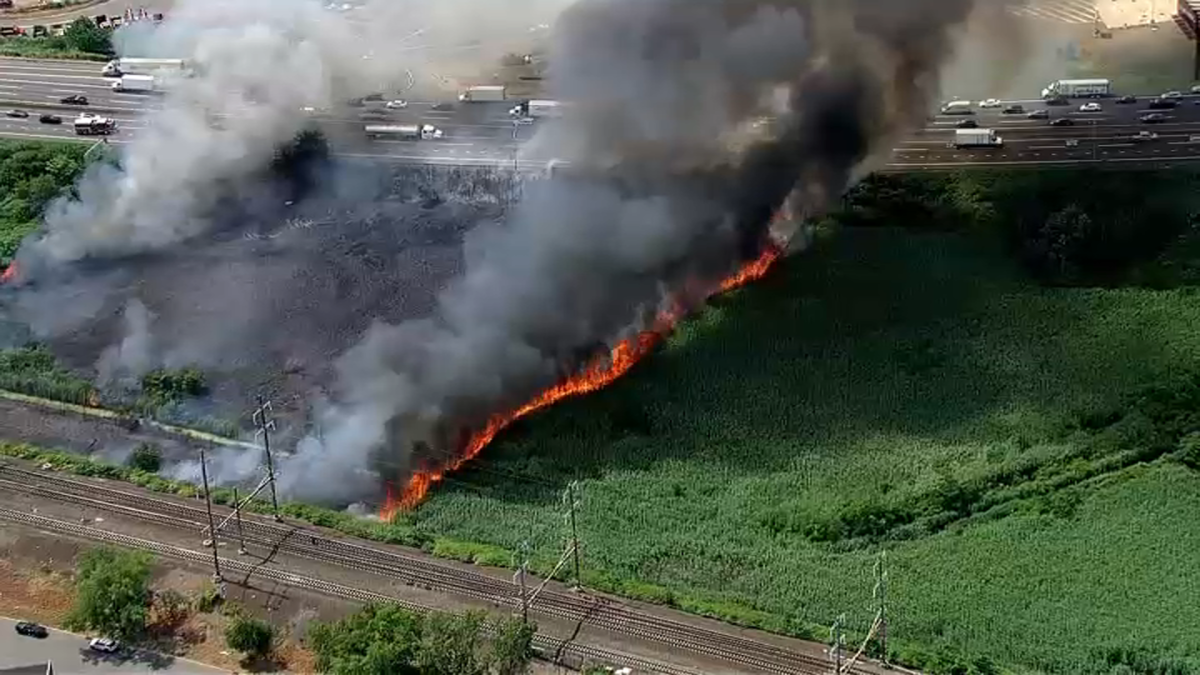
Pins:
x: 662, y: 192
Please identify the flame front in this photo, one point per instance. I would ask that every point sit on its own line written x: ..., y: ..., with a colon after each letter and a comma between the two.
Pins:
x: 598, y: 373
x: 10, y: 273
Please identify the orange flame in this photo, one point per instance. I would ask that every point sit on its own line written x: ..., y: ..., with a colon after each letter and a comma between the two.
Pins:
x: 598, y: 373
x: 9, y: 274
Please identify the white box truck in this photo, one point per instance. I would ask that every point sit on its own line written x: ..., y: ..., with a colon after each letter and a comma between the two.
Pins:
x: 958, y: 108
x: 482, y: 93
x: 119, y: 67
x: 977, y: 138
x: 137, y: 84
x: 406, y: 132
x: 1094, y: 88
x: 537, y: 109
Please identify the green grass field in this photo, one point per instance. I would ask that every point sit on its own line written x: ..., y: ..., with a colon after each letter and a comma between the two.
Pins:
x: 898, y: 389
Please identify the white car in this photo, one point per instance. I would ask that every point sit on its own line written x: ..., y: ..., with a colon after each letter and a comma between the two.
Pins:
x: 106, y: 645
x: 990, y: 103
x: 522, y: 121
x: 1090, y: 107
x: 398, y: 104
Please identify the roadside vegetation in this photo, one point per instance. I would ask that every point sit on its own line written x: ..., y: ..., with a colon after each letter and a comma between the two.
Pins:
x: 81, y: 40
x: 31, y: 174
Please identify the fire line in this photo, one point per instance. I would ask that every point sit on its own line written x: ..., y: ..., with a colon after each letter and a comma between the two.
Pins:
x: 598, y: 373
x: 9, y: 274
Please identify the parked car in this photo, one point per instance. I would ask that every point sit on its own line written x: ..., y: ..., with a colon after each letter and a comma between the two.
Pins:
x: 74, y: 99
x: 1062, y: 122
x: 1039, y: 115
x: 19, y: 114
x: 967, y: 124
x: 1123, y: 100
x: 1013, y: 110
x: 106, y: 645
x: 47, y: 118
x: 1153, y: 118
x: 31, y: 629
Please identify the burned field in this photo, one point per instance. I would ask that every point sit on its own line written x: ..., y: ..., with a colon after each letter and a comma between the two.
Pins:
x: 266, y: 302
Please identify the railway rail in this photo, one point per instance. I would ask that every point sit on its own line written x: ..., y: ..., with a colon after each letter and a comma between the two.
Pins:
x: 419, y: 572
x: 544, y: 644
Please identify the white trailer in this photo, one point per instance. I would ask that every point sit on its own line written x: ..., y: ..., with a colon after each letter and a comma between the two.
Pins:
x: 486, y: 92
x: 536, y: 109
x: 407, y: 132
x: 958, y: 108
x: 977, y: 138
x: 137, y: 83
x: 1094, y: 88
x: 119, y: 67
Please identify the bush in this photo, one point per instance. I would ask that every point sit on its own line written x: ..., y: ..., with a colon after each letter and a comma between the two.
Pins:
x: 112, y: 592
x: 146, y: 457
x: 84, y: 35
x: 163, y: 385
x: 252, y: 637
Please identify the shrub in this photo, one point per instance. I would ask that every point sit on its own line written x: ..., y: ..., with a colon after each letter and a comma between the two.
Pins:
x: 252, y: 637
x: 146, y: 457
x: 112, y: 592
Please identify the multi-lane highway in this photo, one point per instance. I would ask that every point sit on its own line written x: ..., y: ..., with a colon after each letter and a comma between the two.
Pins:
x: 484, y: 134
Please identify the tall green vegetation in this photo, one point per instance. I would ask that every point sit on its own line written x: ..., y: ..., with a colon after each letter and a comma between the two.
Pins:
x: 33, y: 370
x: 82, y: 39
x: 31, y: 174
x: 112, y: 592
x: 389, y: 640
x: 253, y: 637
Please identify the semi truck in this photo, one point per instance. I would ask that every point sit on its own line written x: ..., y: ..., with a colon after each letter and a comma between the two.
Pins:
x: 407, y: 132
x: 483, y: 93
x: 90, y: 125
x: 137, y: 83
x: 537, y: 109
x: 120, y: 67
x: 977, y: 138
x: 1094, y: 88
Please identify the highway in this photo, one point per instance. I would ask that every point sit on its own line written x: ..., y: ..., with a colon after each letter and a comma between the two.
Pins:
x: 483, y: 133
x: 71, y: 655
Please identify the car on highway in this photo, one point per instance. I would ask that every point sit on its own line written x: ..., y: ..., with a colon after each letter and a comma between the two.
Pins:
x: 105, y: 645
x: 1090, y: 107
x: 1125, y: 100
x: 1057, y: 100
x: 1013, y: 110
x: 1162, y: 104
x: 74, y: 99
x: 355, y: 103
x: 1144, y: 136
x: 31, y: 629
x: 1153, y: 118
x: 1062, y: 122
x: 1072, y: 142
x: 1172, y: 95
x: 1193, y: 138
x: 1039, y: 115
x: 19, y: 114
x: 47, y: 118
x: 376, y: 115
x: 373, y: 97
x: 1196, y: 88
x: 523, y: 121
x: 990, y: 103
x: 967, y: 124
x: 442, y: 107
x: 398, y: 104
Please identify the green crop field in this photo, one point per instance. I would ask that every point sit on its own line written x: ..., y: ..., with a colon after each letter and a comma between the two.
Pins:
x: 1020, y: 449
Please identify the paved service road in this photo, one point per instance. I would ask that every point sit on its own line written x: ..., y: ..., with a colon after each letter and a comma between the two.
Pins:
x: 483, y: 133
x: 71, y: 656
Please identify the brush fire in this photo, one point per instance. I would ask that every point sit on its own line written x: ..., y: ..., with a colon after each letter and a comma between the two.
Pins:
x: 9, y: 274
x: 599, y: 373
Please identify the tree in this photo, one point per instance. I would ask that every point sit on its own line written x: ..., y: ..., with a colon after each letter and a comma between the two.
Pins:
x: 112, y: 592
x: 449, y: 644
x: 146, y: 457
x: 164, y: 386
x: 377, y: 640
x: 83, y: 34
x: 512, y: 646
x: 252, y: 637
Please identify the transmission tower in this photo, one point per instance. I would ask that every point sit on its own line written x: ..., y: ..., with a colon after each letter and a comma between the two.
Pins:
x: 264, y: 424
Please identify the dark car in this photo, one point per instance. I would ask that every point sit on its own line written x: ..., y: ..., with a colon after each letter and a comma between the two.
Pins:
x: 355, y: 103
x: 50, y: 119
x: 377, y: 115
x: 442, y: 106
x: 1013, y: 110
x: 19, y: 114
x: 1057, y: 100
x: 1153, y: 118
x: 1039, y: 115
x: 74, y: 99
x: 967, y: 124
x: 32, y: 629
x: 1123, y: 100
x: 1062, y: 122
x: 1163, y: 104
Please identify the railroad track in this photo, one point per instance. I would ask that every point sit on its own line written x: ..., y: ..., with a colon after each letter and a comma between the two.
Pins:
x: 546, y: 645
x: 422, y: 573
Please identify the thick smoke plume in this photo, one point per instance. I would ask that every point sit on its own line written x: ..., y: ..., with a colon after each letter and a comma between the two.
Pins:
x: 660, y: 196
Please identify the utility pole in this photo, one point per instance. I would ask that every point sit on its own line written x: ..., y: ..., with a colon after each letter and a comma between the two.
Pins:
x: 837, y: 641
x: 212, y: 530
x: 572, y: 503
x: 881, y: 581
x: 265, y: 424
x: 237, y: 511
x: 519, y: 577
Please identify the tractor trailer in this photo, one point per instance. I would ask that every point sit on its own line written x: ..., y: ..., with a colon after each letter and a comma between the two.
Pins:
x: 1095, y: 88
x: 483, y: 93
x: 119, y: 67
x: 89, y: 125
x: 406, y: 132
x: 137, y: 84
x: 537, y: 109
x: 977, y: 138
